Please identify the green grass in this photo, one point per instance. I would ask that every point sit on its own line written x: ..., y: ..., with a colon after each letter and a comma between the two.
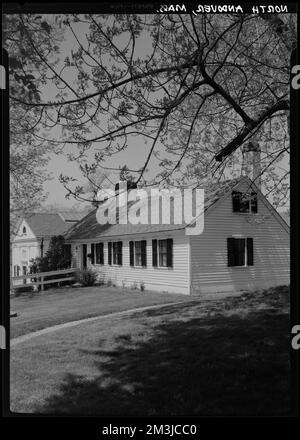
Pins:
x: 223, y: 357
x: 44, y: 309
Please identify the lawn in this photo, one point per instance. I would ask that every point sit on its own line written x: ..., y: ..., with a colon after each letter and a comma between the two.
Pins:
x: 220, y: 357
x: 44, y: 309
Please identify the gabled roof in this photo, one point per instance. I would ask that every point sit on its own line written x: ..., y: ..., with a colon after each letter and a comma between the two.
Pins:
x: 89, y: 228
x: 49, y: 224
x: 46, y: 224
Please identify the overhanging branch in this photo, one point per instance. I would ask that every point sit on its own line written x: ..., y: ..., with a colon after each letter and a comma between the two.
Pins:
x: 248, y: 128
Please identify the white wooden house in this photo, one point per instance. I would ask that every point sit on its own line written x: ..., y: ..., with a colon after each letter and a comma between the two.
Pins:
x: 244, y: 245
x: 33, y: 234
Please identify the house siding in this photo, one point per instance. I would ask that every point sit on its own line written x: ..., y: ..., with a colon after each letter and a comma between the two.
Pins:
x: 174, y: 279
x: 209, y: 270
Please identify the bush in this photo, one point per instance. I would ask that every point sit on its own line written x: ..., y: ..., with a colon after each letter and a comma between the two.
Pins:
x: 86, y: 277
x: 57, y: 257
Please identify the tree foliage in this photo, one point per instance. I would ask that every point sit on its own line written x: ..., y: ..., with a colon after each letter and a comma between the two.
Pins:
x: 193, y: 88
x: 28, y: 156
x: 57, y: 257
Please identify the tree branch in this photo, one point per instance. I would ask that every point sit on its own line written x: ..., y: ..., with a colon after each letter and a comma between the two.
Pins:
x: 248, y: 128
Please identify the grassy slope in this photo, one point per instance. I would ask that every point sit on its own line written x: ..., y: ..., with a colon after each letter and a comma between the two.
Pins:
x: 55, y: 306
x: 226, y: 357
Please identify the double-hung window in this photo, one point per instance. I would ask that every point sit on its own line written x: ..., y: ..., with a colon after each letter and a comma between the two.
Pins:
x: 162, y: 253
x: 240, y: 251
x: 138, y: 253
x: 115, y: 253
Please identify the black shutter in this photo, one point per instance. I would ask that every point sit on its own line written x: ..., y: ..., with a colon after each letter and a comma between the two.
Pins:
x: 154, y: 253
x: 236, y: 197
x: 253, y: 202
x: 101, y: 253
x: 120, y: 244
x: 93, y: 253
x: 131, y: 253
x: 109, y: 252
x: 170, y: 252
x: 230, y: 251
x: 250, y: 251
x: 144, y: 252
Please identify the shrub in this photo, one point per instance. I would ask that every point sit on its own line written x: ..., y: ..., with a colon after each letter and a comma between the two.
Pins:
x: 58, y: 256
x: 86, y: 277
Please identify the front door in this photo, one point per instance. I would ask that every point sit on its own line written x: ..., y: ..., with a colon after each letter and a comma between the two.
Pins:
x: 84, y: 256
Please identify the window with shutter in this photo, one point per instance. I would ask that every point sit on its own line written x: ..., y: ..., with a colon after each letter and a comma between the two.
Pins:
x: 162, y: 253
x: 162, y: 248
x: 117, y: 252
x: 138, y: 253
x: 239, y: 251
x: 244, y: 202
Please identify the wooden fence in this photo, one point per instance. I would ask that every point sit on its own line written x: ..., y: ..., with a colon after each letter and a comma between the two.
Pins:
x: 38, y: 279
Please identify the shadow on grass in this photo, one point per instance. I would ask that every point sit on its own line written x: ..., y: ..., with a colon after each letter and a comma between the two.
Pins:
x: 205, y: 366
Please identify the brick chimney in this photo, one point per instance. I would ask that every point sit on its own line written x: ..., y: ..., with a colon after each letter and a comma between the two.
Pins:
x: 251, y: 165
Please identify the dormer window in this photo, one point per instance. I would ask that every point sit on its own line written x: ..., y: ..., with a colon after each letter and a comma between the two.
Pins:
x: 244, y: 202
x: 24, y: 230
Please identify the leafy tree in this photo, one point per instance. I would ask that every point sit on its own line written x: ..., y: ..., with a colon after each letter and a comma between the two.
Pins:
x: 58, y: 256
x: 195, y: 88
x: 28, y: 155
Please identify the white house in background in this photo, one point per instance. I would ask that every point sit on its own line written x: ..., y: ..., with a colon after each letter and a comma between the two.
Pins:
x: 244, y: 245
x: 33, y: 234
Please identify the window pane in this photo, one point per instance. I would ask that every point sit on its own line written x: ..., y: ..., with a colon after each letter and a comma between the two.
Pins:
x: 163, y: 253
x: 115, y: 253
x: 244, y: 203
x: 239, y: 252
x: 138, y: 253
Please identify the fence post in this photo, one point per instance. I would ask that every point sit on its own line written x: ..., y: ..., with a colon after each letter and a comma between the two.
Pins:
x: 42, y: 283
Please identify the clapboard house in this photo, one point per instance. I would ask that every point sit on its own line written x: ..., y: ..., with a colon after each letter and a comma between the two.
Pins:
x: 244, y: 245
x: 33, y: 235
